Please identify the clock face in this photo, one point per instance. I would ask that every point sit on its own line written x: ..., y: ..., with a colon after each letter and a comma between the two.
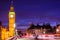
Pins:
x: 11, y: 16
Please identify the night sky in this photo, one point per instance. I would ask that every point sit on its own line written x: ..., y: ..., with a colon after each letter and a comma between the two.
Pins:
x: 27, y: 11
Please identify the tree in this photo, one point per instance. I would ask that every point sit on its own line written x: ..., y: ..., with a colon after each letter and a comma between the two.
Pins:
x: 48, y: 27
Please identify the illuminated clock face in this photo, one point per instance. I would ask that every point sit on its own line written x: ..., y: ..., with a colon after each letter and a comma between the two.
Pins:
x: 11, y: 16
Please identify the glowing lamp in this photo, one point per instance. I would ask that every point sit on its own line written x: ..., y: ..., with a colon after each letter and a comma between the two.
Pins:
x: 44, y: 32
x: 57, y: 30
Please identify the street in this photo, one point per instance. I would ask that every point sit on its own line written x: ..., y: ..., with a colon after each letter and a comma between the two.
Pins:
x: 32, y: 38
x: 37, y: 39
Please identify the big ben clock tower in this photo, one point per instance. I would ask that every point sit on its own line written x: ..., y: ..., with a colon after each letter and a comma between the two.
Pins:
x: 11, y: 20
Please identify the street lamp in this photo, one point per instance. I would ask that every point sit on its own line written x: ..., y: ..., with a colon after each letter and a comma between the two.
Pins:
x: 16, y: 32
x: 44, y: 32
x: 57, y: 30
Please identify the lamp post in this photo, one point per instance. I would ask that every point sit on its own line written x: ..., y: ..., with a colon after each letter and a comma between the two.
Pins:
x: 57, y: 30
x: 15, y: 29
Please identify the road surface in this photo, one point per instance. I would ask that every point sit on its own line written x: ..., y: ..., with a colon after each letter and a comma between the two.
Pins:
x: 32, y: 38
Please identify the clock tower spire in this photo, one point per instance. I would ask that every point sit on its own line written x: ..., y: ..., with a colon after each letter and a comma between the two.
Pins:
x: 11, y: 7
x: 11, y: 20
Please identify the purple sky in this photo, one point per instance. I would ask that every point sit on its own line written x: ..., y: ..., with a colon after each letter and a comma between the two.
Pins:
x: 36, y: 11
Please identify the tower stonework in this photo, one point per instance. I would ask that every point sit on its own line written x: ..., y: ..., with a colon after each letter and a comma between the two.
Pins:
x: 11, y: 21
x: 0, y: 29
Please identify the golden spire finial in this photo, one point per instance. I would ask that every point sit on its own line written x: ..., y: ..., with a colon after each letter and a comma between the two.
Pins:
x: 12, y: 2
x: 12, y: 8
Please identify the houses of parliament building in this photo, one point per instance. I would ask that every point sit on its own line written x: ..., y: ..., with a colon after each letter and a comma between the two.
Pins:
x: 5, y: 32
